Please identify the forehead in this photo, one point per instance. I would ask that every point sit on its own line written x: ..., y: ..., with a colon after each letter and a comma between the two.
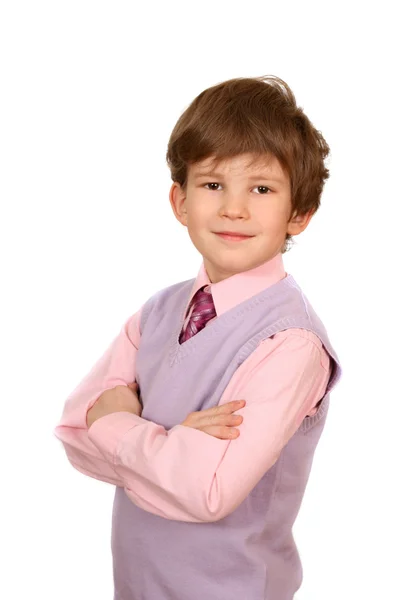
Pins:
x: 243, y: 164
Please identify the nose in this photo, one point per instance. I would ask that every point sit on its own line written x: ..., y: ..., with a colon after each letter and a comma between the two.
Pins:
x: 234, y: 206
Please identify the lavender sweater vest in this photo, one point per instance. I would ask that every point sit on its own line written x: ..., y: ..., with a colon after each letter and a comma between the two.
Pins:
x: 251, y: 553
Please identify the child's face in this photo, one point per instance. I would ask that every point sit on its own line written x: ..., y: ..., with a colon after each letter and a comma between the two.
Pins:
x: 252, y: 200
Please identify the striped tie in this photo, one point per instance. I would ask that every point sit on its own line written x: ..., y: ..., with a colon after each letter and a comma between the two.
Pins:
x: 203, y: 311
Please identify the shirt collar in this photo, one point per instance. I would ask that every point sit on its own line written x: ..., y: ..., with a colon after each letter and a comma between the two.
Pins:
x: 240, y: 287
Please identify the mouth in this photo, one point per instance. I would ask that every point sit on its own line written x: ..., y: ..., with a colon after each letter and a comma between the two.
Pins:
x: 234, y: 237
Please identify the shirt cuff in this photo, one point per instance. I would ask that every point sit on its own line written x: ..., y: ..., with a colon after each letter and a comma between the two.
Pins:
x: 106, y: 432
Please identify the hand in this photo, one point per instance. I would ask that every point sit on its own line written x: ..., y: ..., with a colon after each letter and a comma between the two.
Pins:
x: 118, y: 399
x: 218, y: 421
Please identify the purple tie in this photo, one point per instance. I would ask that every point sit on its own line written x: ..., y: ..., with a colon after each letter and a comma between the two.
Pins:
x: 203, y: 311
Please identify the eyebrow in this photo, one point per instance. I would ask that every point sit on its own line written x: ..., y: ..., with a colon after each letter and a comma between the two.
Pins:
x: 264, y: 176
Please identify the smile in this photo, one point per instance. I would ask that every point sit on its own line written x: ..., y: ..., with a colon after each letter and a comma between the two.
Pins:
x: 233, y: 238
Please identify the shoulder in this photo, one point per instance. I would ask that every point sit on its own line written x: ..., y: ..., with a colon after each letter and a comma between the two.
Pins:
x: 297, y: 341
x: 131, y: 327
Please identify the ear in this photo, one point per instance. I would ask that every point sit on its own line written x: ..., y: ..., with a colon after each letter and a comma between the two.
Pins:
x: 177, y: 198
x: 298, y: 223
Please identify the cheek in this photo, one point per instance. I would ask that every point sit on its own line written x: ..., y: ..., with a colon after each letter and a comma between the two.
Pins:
x: 272, y: 217
x: 196, y: 223
x: 200, y: 214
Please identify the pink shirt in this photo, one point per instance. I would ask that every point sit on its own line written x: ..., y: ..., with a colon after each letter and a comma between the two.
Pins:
x: 282, y: 381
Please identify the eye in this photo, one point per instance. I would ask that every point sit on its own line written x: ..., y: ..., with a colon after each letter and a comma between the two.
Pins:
x: 212, y: 183
x: 263, y: 187
x: 259, y: 187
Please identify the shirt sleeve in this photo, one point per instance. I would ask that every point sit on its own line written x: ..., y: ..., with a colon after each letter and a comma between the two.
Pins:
x: 188, y: 475
x: 115, y: 367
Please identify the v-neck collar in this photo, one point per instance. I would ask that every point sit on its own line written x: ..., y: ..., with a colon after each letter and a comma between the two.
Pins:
x: 178, y: 350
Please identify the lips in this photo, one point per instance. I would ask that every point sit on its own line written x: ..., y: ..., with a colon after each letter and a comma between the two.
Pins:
x: 236, y: 237
x: 234, y: 233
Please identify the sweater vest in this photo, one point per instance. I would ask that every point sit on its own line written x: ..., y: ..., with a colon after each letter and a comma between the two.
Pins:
x: 250, y: 553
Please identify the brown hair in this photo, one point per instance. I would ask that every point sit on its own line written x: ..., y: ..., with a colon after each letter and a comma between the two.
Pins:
x: 257, y: 115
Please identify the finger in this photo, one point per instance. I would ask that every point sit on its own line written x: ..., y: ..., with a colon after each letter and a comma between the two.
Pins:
x: 224, y: 418
x: 227, y: 420
x: 223, y: 433
x: 209, y: 415
x: 227, y: 408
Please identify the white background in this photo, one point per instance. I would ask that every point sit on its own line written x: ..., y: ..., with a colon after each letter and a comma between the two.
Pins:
x: 90, y: 92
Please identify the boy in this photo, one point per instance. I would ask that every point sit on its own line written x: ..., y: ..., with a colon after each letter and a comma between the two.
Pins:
x: 202, y: 511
